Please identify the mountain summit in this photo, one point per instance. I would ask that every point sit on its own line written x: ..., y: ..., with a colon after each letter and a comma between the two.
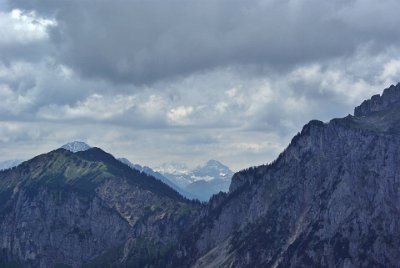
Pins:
x: 213, y: 169
x: 201, y: 182
x: 76, y: 146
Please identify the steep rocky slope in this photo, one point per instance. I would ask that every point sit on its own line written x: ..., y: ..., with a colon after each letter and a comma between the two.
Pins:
x: 331, y: 199
x: 86, y: 208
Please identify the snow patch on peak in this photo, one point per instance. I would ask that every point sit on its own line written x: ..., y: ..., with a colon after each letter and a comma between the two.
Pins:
x: 216, y: 165
x: 76, y: 146
x: 213, y: 169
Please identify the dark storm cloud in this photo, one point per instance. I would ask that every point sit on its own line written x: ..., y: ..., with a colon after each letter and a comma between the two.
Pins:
x: 144, y: 41
x: 27, y: 52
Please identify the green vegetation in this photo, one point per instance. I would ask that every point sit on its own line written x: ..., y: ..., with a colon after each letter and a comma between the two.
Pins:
x: 56, y: 170
x: 115, y: 168
x: 82, y: 172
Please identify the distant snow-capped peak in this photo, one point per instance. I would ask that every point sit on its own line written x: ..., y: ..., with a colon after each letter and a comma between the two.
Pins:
x: 76, y: 146
x: 213, y: 169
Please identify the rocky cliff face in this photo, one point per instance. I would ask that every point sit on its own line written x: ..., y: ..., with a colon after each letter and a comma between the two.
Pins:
x: 52, y: 228
x: 331, y: 199
x: 389, y: 97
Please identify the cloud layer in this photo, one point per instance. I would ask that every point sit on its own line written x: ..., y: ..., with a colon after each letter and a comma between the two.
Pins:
x: 177, y: 80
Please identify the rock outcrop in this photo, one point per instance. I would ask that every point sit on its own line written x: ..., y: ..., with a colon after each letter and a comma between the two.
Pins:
x: 379, y: 103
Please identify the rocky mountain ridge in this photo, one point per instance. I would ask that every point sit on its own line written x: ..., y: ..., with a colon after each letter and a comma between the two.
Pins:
x: 377, y: 103
x: 331, y: 199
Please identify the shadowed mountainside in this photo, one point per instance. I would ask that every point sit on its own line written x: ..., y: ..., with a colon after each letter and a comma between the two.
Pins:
x: 331, y: 199
x: 72, y: 208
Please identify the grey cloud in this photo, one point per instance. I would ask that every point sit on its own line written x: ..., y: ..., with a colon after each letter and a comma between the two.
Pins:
x: 24, y: 36
x: 33, y: 52
x: 160, y: 81
x: 145, y: 41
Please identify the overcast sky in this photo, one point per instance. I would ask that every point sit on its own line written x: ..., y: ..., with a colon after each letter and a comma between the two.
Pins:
x: 187, y: 81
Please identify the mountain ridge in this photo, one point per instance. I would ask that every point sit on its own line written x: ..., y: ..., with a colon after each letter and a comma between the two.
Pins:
x: 6, y: 164
x: 379, y: 102
x: 314, y: 205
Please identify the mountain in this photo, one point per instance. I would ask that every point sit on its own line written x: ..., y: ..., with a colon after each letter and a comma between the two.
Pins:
x: 6, y: 164
x: 146, y: 170
x: 178, y: 173
x: 158, y: 176
x: 331, y: 199
x: 203, y: 190
x: 76, y: 146
x: 64, y: 209
x: 209, y: 179
x: 213, y: 169
x: 201, y: 182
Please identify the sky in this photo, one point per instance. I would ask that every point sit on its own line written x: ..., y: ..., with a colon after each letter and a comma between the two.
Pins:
x: 187, y: 81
